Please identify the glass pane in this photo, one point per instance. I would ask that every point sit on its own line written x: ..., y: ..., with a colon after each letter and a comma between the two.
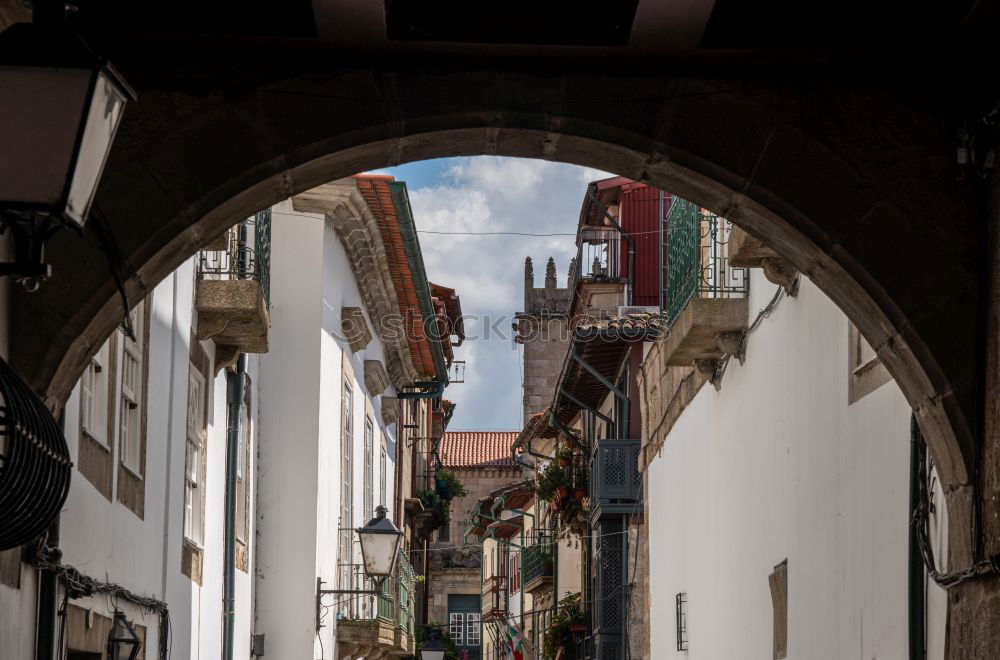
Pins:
x: 102, y: 121
x: 42, y: 107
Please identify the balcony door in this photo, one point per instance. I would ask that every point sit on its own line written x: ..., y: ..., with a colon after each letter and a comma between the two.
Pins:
x: 463, y: 624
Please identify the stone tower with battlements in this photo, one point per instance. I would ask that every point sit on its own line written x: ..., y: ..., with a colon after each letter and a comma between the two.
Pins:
x: 542, y: 327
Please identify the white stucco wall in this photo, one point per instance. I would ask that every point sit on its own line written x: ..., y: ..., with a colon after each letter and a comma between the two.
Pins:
x: 106, y: 541
x: 777, y: 465
x: 300, y: 451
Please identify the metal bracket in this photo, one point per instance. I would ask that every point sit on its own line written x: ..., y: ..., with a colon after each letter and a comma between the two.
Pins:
x: 30, y: 231
x: 320, y: 592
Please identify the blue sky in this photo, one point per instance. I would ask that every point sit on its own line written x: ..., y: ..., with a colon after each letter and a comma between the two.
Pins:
x: 488, y: 193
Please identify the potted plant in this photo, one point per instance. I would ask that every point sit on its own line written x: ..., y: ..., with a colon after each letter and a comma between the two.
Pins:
x: 448, y: 485
x: 551, y: 478
x: 565, y: 456
x: 569, y: 618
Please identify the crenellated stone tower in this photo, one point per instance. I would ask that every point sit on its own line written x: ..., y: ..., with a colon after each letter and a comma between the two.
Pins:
x: 542, y: 327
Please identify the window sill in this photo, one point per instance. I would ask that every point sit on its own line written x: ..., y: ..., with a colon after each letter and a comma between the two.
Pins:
x: 132, y: 471
x: 97, y: 441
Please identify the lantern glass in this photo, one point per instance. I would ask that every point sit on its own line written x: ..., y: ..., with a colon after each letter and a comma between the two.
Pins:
x: 432, y: 648
x: 61, y: 109
x: 103, y: 116
x: 123, y: 644
x: 40, y: 122
x: 379, y: 544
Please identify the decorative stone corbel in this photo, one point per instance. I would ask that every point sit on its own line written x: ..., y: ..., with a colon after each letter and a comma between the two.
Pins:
x: 355, y: 327
x: 376, y: 379
x: 731, y: 343
x: 225, y: 358
x: 746, y: 251
x: 780, y: 272
x: 390, y: 410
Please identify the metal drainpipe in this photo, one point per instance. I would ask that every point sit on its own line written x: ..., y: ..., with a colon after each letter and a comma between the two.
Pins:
x: 48, y: 603
x: 235, y: 391
x: 917, y: 618
x: 48, y: 593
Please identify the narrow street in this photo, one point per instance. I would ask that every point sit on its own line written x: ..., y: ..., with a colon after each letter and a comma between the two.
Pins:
x: 334, y: 330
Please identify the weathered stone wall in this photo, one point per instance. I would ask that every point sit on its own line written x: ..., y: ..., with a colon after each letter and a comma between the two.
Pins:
x: 543, y: 330
x: 450, y: 581
x: 664, y: 393
x: 478, y: 483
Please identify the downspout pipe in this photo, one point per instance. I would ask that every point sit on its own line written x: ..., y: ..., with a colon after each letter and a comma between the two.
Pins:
x: 917, y: 617
x: 235, y: 391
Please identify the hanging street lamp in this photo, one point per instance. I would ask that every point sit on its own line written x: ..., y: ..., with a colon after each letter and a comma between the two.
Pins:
x: 123, y: 643
x: 379, y: 544
x: 379, y: 540
x: 432, y: 648
x: 62, y: 106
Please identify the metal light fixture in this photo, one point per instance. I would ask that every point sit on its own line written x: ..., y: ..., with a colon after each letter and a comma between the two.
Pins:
x: 123, y: 643
x: 432, y: 648
x: 61, y: 109
x: 379, y: 549
x: 379, y: 544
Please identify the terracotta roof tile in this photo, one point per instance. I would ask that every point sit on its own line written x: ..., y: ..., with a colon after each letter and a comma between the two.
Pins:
x: 467, y: 449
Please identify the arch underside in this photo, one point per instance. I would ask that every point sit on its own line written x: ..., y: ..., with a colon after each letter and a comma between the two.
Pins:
x: 854, y: 187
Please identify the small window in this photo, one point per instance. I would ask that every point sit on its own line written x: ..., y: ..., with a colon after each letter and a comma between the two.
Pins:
x: 346, y: 553
x: 383, y: 494
x: 94, y: 396
x: 196, y: 432
x: 130, y: 396
x: 681, y: 606
x: 472, y: 629
x: 456, y: 627
x: 778, y: 582
x: 369, y: 469
x: 243, y: 471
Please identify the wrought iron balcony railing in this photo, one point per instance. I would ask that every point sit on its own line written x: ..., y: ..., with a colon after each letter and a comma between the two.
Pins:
x: 394, y: 603
x: 615, y: 483
x: 246, y: 255
x: 537, y: 563
x: 698, y: 259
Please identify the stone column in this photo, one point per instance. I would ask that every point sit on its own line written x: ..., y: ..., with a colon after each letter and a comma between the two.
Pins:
x: 974, y: 606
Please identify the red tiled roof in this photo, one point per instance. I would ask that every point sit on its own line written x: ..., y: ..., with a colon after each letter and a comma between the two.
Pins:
x: 467, y: 449
x: 375, y: 190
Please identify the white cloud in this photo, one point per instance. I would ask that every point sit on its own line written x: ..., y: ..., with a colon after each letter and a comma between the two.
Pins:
x: 486, y: 194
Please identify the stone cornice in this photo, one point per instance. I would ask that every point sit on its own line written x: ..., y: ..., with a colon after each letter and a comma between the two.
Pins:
x: 345, y: 209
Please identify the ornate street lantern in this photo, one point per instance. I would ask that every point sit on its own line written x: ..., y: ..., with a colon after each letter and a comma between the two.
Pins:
x: 433, y: 648
x: 123, y: 643
x: 61, y: 109
x: 379, y: 544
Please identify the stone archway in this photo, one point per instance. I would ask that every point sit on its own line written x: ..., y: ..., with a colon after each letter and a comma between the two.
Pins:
x: 854, y: 186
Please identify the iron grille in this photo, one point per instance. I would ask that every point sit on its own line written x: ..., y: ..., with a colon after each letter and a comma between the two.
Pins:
x: 698, y: 259
x: 536, y: 561
x: 615, y: 479
x: 682, y: 633
x: 599, y: 254
x: 247, y: 254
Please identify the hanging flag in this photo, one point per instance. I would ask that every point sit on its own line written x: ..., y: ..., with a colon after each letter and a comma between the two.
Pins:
x: 514, y: 643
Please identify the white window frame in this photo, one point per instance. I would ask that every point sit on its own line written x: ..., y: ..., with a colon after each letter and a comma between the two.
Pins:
x: 382, y: 466
x: 130, y: 396
x: 369, y: 483
x: 194, y: 447
x: 456, y: 627
x: 346, y: 552
x: 472, y: 629
x: 244, y: 442
x: 94, y: 397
